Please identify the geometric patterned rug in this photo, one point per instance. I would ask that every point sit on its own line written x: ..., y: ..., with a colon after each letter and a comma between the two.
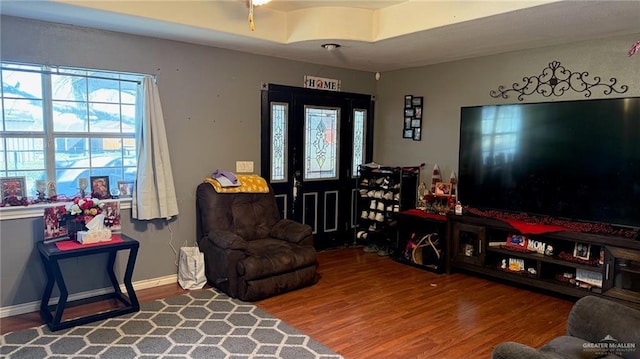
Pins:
x: 199, y: 324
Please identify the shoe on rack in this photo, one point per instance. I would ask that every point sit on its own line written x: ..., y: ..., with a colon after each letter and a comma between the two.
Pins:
x: 380, y: 206
x: 383, y: 252
x: 364, y: 215
x: 372, y: 215
x: 379, y: 217
x: 373, y: 204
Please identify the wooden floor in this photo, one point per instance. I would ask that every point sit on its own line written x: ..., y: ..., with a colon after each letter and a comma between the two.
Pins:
x: 367, y: 306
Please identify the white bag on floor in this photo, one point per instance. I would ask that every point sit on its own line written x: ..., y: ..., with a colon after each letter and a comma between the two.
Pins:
x: 191, y: 268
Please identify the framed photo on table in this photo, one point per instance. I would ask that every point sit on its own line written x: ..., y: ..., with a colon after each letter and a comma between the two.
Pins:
x: 100, y: 187
x: 443, y: 189
x: 582, y: 250
x: 13, y: 187
x: 125, y: 188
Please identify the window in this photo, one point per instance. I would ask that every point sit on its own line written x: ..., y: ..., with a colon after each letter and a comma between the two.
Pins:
x: 63, y: 124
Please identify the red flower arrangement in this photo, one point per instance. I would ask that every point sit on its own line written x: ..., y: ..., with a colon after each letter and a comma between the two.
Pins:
x: 84, y: 209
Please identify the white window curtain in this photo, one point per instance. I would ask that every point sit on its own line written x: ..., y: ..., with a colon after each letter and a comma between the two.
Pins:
x: 154, y: 195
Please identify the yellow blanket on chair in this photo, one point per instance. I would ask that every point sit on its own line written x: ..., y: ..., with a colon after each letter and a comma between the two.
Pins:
x: 248, y: 184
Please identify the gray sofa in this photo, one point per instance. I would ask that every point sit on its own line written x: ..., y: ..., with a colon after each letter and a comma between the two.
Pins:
x: 596, y: 328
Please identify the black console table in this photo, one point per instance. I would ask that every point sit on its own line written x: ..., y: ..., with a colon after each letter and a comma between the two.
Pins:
x: 51, y: 255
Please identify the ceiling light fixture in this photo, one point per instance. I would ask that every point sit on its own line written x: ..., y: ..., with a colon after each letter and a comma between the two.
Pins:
x: 330, y: 47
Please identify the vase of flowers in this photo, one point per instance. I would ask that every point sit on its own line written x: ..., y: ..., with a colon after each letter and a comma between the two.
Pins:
x: 81, y: 211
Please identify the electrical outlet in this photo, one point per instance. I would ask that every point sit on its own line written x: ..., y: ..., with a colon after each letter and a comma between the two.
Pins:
x: 244, y: 166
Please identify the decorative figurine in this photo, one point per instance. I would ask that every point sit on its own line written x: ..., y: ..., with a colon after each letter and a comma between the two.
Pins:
x: 82, y: 186
x: 458, y: 208
x: 422, y: 192
x: 41, y: 188
x: 549, y: 250
x: 435, y: 178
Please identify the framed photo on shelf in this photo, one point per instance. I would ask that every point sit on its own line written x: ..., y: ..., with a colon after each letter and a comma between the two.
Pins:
x: 407, y: 133
x: 13, y: 187
x: 443, y: 189
x: 407, y: 123
x: 582, y: 250
x: 100, y: 187
x: 416, y: 123
x: 125, y: 188
x: 407, y: 101
x: 416, y: 101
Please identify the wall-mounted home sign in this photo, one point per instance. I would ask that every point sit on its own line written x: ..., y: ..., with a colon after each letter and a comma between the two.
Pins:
x: 321, y: 83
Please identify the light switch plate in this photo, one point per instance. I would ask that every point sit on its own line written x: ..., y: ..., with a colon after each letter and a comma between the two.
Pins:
x: 244, y: 166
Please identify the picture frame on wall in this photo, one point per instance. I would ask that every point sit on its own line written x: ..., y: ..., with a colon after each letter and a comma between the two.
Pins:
x: 417, y: 134
x: 409, y: 112
x: 416, y: 101
x: 412, y: 125
x: 407, y: 101
x: 100, y: 187
x: 13, y: 187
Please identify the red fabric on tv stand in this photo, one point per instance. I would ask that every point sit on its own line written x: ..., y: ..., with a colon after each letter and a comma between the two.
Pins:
x: 423, y: 214
x: 533, y: 228
x: 69, y: 245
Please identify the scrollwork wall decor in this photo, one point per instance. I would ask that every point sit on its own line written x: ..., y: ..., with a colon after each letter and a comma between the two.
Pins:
x: 556, y: 80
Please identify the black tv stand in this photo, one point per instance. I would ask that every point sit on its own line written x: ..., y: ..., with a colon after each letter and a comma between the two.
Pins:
x: 580, y: 264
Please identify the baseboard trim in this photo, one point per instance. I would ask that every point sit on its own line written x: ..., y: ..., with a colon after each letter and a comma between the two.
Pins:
x: 35, y: 306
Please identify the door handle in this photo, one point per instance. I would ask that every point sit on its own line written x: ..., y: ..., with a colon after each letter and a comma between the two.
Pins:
x: 297, y: 185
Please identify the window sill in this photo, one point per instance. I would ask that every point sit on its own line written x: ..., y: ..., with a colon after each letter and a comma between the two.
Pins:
x: 37, y: 210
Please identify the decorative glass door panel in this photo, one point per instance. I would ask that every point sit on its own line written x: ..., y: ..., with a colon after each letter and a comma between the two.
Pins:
x: 359, y: 140
x: 279, y: 114
x: 321, y: 141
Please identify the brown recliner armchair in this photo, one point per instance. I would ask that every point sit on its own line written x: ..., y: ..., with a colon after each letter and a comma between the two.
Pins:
x: 250, y: 252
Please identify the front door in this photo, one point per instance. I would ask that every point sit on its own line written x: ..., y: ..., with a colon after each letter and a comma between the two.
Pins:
x: 312, y: 144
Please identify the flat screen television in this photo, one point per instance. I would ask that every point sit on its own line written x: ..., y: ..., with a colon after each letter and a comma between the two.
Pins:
x: 577, y: 160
